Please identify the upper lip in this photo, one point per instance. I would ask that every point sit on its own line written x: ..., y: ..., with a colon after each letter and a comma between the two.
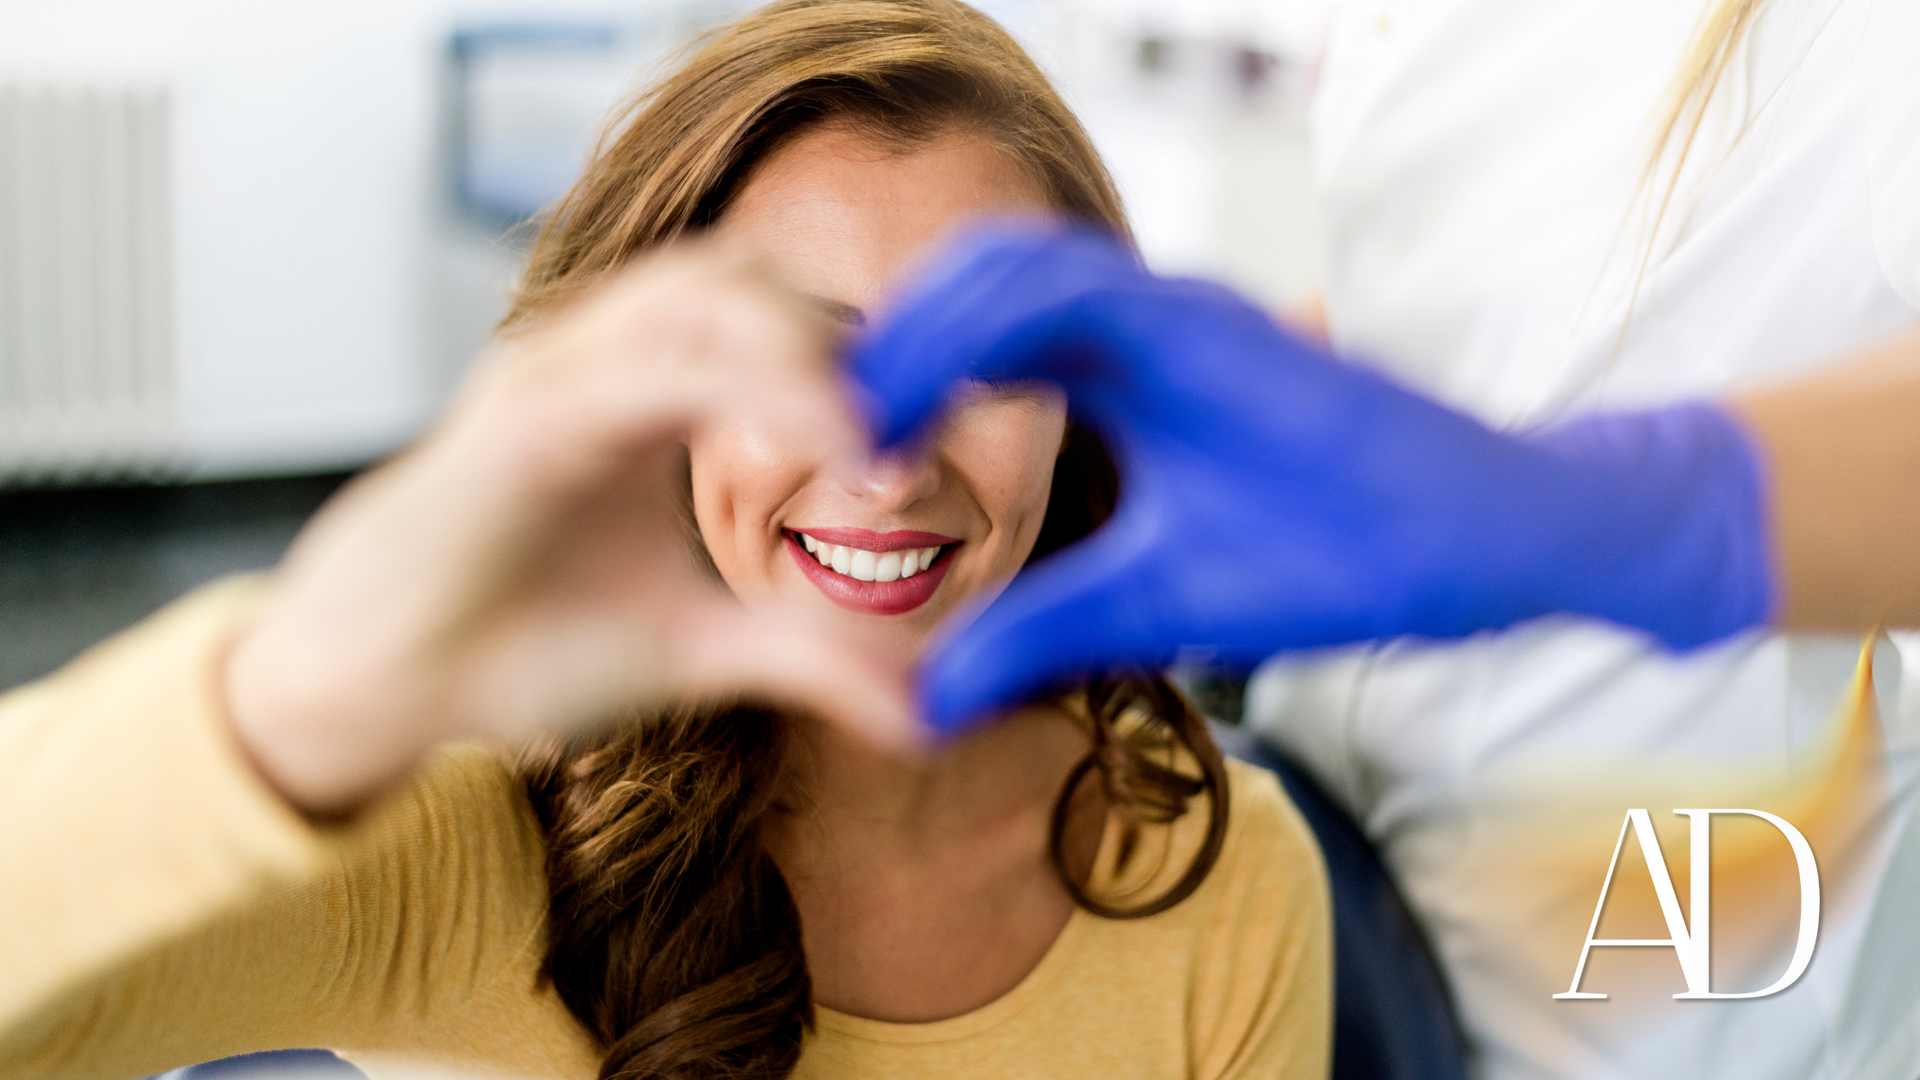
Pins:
x: 868, y: 540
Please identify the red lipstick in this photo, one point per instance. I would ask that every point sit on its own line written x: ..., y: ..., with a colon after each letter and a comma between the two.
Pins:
x: 873, y: 597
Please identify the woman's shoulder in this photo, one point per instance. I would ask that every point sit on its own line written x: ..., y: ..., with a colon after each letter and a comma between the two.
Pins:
x: 1264, y: 825
x: 1268, y: 851
x: 1269, y: 877
x: 1235, y: 980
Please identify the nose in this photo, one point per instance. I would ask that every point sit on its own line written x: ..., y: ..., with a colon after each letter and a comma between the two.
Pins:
x: 895, y: 481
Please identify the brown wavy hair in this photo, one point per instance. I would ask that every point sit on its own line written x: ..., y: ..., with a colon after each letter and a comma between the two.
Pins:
x: 671, y: 933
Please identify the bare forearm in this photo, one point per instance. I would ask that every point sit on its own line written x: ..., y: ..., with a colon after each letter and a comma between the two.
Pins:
x: 1843, y: 453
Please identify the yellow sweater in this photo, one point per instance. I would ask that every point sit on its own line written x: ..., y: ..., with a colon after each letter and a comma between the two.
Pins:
x: 160, y: 906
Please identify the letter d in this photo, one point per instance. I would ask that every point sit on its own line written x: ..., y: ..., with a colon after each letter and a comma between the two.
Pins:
x: 1809, y: 898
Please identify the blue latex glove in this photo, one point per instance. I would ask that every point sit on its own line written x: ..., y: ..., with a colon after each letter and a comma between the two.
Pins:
x: 1276, y: 498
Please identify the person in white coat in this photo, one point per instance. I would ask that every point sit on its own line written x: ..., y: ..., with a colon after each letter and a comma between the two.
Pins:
x: 1494, y: 239
x: 1659, y: 264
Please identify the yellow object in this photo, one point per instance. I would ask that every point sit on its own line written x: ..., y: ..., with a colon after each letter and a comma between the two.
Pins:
x: 162, y: 906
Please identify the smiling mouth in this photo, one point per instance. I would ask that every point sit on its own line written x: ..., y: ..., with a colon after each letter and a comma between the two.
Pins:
x: 863, y: 565
x: 873, y: 573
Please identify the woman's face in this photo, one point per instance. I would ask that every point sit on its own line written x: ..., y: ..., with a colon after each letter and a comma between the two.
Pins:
x: 899, y: 546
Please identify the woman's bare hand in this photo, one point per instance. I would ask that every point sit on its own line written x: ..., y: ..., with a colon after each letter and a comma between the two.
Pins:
x: 530, y: 563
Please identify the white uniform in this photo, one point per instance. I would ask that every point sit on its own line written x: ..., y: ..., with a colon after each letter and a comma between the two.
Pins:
x: 1475, y: 160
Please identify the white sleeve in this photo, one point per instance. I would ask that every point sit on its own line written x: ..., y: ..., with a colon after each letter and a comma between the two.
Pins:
x: 1894, y: 181
x: 1304, y: 706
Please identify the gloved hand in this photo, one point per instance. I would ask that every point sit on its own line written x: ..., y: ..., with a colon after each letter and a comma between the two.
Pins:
x: 1276, y: 498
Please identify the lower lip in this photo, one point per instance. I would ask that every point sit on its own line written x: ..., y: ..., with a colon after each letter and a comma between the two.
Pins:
x: 871, y: 597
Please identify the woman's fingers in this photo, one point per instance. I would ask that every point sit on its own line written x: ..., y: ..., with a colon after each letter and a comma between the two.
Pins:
x: 595, y: 666
x: 787, y: 657
x: 637, y: 364
x: 527, y: 565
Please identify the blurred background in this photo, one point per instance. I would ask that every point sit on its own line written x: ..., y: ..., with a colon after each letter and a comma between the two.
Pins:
x: 248, y: 248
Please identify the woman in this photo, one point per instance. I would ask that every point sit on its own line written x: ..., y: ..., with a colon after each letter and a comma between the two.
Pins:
x: 639, y: 499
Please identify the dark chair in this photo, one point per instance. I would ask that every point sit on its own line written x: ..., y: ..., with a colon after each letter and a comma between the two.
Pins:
x: 293, y: 1064
x: 1392, y: 1016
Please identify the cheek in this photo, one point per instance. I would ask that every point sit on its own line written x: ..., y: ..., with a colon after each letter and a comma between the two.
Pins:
x: 742, y: 476
x: 1006, y: 451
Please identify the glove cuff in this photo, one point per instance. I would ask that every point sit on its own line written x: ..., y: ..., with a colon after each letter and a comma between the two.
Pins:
x: 1673, y: 528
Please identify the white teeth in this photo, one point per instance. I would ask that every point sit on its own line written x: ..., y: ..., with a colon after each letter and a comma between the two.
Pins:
x: 870, y: 565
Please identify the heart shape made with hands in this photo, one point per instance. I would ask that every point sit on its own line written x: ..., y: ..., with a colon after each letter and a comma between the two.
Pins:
x: 1276, y: 497
x: 529, y: 561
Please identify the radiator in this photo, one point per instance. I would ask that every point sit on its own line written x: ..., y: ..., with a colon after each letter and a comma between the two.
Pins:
x: 88, y: 373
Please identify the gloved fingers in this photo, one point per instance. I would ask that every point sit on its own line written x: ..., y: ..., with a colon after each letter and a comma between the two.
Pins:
x: 995, y: 306
x: 1085, y: 610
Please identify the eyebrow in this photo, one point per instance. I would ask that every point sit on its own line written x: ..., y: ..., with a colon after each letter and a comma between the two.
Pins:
x: 838, y: 311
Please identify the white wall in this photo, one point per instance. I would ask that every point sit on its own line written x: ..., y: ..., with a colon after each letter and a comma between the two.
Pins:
x: 326, y: 296
x: 302, y: 150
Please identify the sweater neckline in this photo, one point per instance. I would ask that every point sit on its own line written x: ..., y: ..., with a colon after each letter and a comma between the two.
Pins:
x: 968, y: 1023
